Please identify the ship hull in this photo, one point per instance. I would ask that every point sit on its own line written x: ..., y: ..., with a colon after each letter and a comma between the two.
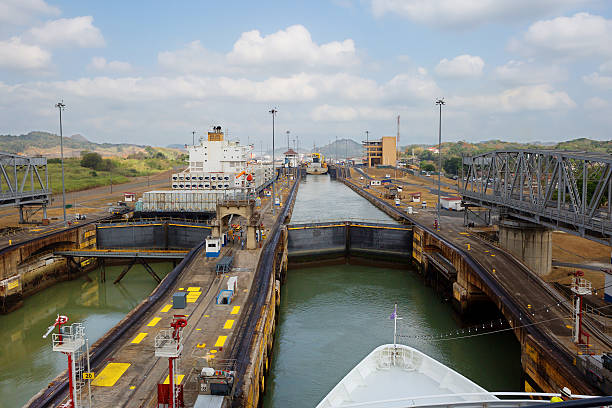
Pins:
x: 316, y: 170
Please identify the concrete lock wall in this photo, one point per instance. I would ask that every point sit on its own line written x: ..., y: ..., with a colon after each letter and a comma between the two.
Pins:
x: 531, y: 243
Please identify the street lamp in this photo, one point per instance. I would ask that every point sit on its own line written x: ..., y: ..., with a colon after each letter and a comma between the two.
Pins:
x: 439, y: 102
x: 61, y: 106
x: 273, y: 112
x: 368, y: 147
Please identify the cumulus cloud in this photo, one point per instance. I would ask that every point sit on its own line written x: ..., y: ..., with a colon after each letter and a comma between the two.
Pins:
x: 580, y: 35
x: 279, y: 52
x: 522, y: 98
x: 596, y: 103
x: 523, y: 73
x: 68, y: 32
x: 21, y: 11
x: 101, y: 64
x: 407, y: 86
x: 329, y: 113
x: 292, y: 45
x: 462, y: 66
x: 598, y: 81
x: 14, y: 54
x: 465, y: 13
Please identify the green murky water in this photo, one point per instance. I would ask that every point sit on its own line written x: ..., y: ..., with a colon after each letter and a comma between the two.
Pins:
x: 26, y: 360
x: 332, y: 317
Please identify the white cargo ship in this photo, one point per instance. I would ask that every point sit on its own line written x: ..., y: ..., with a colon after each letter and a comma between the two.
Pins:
x: 218, y: 169
x: 316, y: 165
x: 219, y: 164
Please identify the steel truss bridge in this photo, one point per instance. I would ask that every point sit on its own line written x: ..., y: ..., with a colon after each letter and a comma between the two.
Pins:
x: 569, y: 191
x: 24, y: 182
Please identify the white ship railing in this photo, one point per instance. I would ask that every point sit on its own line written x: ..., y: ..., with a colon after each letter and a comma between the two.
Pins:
x: 481, y: 403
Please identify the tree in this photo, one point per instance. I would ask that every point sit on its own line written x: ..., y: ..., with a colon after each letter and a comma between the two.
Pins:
x: 92, y: 161
x: 428, y: 167
x: 452, y: 165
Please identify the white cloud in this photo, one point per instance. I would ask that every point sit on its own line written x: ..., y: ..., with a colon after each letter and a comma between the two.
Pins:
x: 596, y: 103
x: 580, y: 35
x: 286, y: 50
x: 598, y: 81
x: 100, y: 64
x: 292, y: 45
x: 21, y: 11
x: 522, y: 98
x: 67, y: 32
x: 606, y: 67
x: 405, y: 87
x: 462, y: 66
x: 193, y: 58
x: 329, y: 113
x: 14, y: 54
x: 465, y: 13
x: 523, y: 73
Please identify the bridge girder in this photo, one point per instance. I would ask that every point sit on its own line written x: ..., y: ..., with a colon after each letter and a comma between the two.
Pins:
x: 565, y: 190
x: 23, y: 180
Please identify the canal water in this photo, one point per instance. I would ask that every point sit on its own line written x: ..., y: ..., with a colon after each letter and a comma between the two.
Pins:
x: 332, y: 317
x: 27, y: 363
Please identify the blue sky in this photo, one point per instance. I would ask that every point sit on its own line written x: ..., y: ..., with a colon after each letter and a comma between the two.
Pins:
x: 151, y: 72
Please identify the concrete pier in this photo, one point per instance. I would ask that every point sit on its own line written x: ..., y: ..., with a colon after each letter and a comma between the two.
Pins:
x: 531, y: 243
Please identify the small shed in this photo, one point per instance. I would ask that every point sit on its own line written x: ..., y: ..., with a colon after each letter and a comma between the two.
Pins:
x: 415, y: 197
x: 451, y: 203
x: 213, y: 247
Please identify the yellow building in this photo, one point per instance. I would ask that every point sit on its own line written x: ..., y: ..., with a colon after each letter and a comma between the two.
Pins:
x: 380, y: 152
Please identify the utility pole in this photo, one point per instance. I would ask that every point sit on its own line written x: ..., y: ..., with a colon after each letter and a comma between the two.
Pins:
x: 439, y: 102
x: 397, y: 145
x: 61, y: 106
x: 193, y: 138
x: 368, y: 147
x: 273, y: 112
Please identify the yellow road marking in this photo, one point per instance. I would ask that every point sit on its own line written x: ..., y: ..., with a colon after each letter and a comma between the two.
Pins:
x: 220, y: 341
x: 179, y: 379
x: 111, y: 373
x: 194, y: 289
x: 139, y: 338
x: 198, y: 329
x: 228, y: 324
x: 154, y: 321
x: 166, y: 308
x: 235, y: 310
x: 193, y: 296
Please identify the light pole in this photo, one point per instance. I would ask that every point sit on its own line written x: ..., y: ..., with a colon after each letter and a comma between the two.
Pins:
x: 368, y: 147
x: 288, y: 163
x: 439, y: 102
x: 61, y: 106
x: 193, y: 137
x: 273, y: 112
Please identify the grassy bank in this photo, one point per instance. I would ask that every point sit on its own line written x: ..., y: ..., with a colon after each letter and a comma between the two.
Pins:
x: 78, y: 177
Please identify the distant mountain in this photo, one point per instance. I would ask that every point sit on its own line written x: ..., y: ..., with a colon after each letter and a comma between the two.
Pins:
x: 177, y: 146
x: 340, y: 149
x: 48, y: 144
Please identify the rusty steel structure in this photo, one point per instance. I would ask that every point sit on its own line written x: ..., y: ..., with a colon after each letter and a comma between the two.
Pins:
x: 24, y: 182
x: 565, y: 190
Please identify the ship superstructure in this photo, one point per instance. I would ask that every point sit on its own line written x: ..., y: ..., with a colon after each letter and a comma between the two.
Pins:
x: 219, y: 164
x: 317, y: 164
